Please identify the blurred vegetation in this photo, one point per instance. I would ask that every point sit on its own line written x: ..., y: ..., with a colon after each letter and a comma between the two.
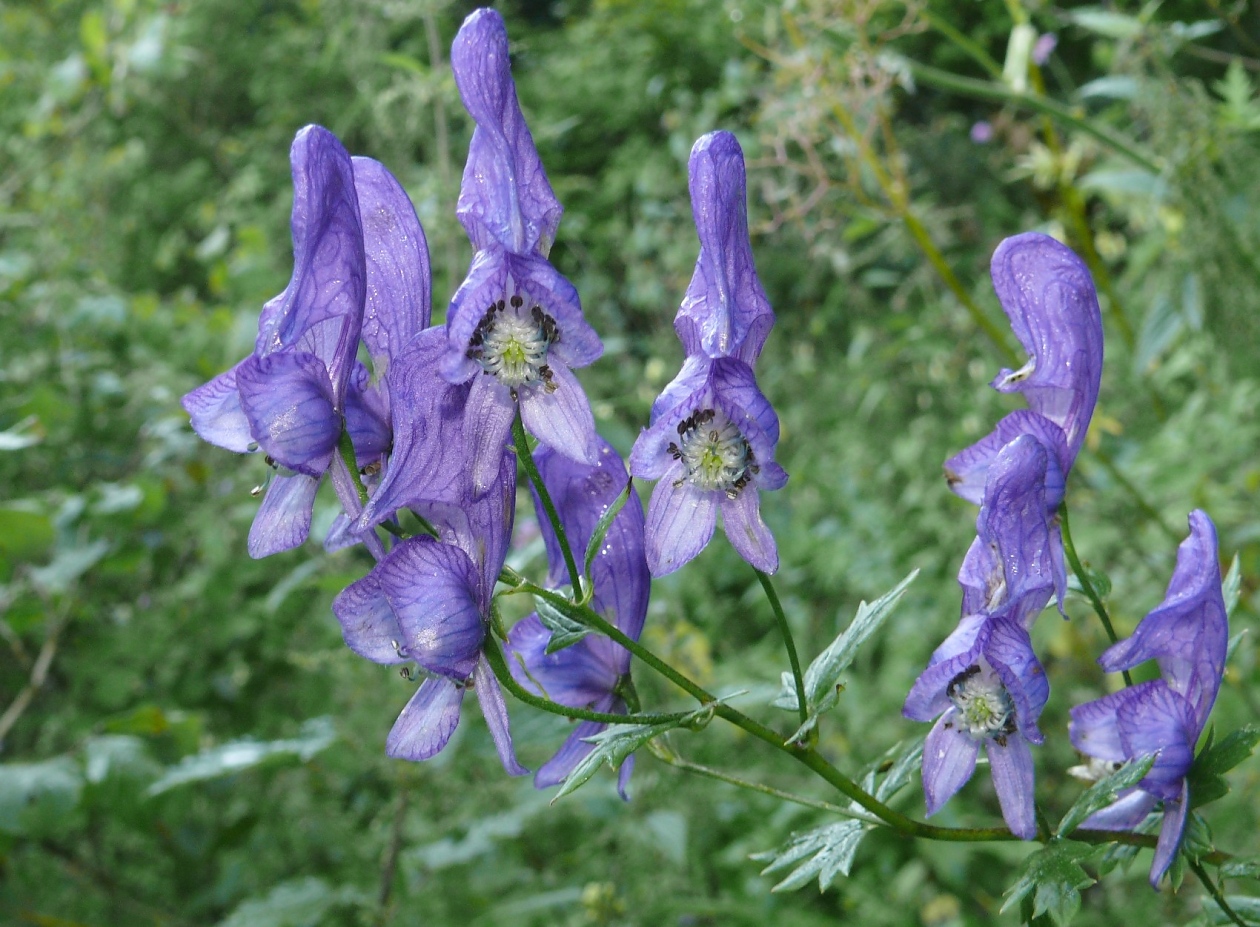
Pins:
x: 186, y: 739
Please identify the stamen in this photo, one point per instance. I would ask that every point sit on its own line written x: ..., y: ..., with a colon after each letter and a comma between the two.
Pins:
x: 511, y: 344
x: 985, y: 708
x: 716, y: 457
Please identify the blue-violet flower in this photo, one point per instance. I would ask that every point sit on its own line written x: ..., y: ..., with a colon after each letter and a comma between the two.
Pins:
x: 1187, y: 634
x: 587, y: 674
x: 515, y: 324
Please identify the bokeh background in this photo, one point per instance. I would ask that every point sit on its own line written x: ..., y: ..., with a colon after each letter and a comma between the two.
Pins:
x: 186, y: 741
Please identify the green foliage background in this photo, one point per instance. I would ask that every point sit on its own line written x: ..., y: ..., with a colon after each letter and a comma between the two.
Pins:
x: 194, y: 745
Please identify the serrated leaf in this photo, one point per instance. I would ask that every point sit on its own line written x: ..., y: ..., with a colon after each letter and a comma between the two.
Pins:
x: 1228, y: 752
x: 565, y: 631
x: 1247, y: 909
x: 239, y: 755
x: 1054, y: 877
x: 1103, y: 792
x: 1248, y: 868
x: 614, y: 744
x: 34, y: 796
x: 824, y: 672
x: 297, y: 903
x: 902, y: 769
x: 830, y: 850
x: 600, y: 532
x: 1231, y: 587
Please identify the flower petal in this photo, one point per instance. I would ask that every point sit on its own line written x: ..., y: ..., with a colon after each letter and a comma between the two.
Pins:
x: 432, y: 589
x: 368, y: 625
x: 367, y: 416
x: 1009, y: 651
x: 725, y: 311
x: 680, y: 522
x: 397, y: 260
x: 505, y: 197
x: 495, y: 711
x: 283, y: 521
x: 427, y: 722
x: 1126, y: 813
x: 487, y: 426
x: 748, y: 534
x: 1093, y: 729
x: 577, y: 676
x: 967, y: 471
x: 1170, y: 833
x: 560, y: 418
x: 949, y: 759
x: 289, y: 403
x: 571, y: 752
x: 1188, y: 633
x: 928, y: 696
x: 1048, y: 294
x: 329, y: 272
x: 1159, y: 721
x: 216, y: 413
x: 1011, y: 765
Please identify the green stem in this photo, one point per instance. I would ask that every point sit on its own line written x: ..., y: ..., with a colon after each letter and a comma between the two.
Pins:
x: 498, y: 664
x: 973, y: 49
x: 346, y: 447
x: 1215, y: 891
x: 814, y: 760
x: 668, y: 756
x: 991, y: 90
x: 1136, y: 494
x: 786, y: 631
x: 1090, y: 593
x: 535, y: 478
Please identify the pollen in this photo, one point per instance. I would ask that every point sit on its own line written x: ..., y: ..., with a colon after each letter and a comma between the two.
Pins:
x: 511, y: 343
x: 714, y: 453
x: 985, y: 708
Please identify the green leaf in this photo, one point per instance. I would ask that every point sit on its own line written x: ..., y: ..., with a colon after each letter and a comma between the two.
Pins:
x: 1231, y: 587
x: 1247, y: 909
x: 565, y: 631
x: 1104, y: 792
x: 614, y: 744
x: 824, y: 672
x: 598, y: 535
x: 239, y: 755
x: 298, y: 903
x: 1247, y: 868
x: 1106, y: 23
x: 1224, y: 755
x: 24, y: 533
x: 36, y: 797
x: 1054, y: 877
x: 828, y: 851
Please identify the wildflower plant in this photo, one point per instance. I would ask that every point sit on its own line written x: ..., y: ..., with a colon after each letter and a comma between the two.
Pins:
x: 426, y: 441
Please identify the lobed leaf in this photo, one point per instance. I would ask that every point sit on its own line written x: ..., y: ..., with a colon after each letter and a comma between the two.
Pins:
x: 1105, y: 791
x: 1054, y: 877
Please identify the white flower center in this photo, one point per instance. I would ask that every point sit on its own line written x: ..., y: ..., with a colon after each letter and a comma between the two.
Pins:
x: 714, y: 453
x: 985, y: 708
x: 511, y: 343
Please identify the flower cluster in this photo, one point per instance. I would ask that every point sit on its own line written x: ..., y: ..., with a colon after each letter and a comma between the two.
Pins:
x: 424, y: 426
x: 430, y: 431
x: 984, y: 685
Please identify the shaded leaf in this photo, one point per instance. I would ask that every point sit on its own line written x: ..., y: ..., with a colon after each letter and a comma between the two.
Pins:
x: 35, y: 796
x: 299, y: 903
x: 238, y: 755
x: 1103, y: 792
x: 1054, y: 877
x: 565, y: 631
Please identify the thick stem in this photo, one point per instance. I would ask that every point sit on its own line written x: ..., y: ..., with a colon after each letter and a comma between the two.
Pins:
x: 1090, y: 593
x: 535, y: 478
x: 786, y: 631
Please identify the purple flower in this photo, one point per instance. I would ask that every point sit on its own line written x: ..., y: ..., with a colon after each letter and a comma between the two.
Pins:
x: 586, y: 674
x: 287, y: 397
x: 710, y: 445
x: 984, y: 682
x: 1049, y: 296
x: 982, y: 132
x: 515, y: 325
x: 429, y: 601
x: 1187, y: 634
x: 1044, y: 47
x: 725, y: 312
